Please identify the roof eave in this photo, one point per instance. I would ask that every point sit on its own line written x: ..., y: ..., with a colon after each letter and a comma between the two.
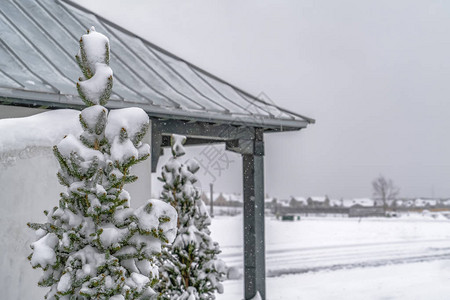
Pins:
x: 9, y: 96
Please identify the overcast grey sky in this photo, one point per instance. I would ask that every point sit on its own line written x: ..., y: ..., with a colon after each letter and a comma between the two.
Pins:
x: 374, y: 74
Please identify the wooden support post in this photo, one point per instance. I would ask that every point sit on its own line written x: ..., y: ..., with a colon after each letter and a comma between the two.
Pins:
x: 254, y: 249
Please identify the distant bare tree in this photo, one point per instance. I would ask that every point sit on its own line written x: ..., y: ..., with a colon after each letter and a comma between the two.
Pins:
x: 384, y: 189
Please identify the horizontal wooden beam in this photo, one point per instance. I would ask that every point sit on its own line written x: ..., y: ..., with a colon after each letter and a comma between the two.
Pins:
x: 190, y: 141
x: 202, y: 130
x: 197, y: 133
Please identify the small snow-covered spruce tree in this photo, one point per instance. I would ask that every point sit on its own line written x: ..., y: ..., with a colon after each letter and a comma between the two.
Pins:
x: 189, y: 268
x: 93, y: 245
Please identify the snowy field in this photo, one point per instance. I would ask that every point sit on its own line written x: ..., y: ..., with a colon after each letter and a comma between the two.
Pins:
x: 342, y: 258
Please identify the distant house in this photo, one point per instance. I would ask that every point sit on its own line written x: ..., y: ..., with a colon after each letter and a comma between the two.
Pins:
x: 233, y: 199
x: 399, y: 203
x: 358, y: 211
x: 278, y: 206
x: 336, y: 202
x: 380, y: 202
x: 420, y: 202
x: 364, y: 202
x: 270, y: 202
x: 404, y: 203
x: 318, y: 201
x: 298, y: 202
x: 206, y: 197
x: 283, y: 202
x: 222, y: 199
x: 445, y: 202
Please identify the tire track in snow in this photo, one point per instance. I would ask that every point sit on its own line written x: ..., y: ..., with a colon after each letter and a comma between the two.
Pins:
x: 238, y: 249
x: 376, y: 263
x: 335, y: 257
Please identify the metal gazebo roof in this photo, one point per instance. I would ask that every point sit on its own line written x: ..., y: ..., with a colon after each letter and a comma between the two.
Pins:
x: 38, y: 40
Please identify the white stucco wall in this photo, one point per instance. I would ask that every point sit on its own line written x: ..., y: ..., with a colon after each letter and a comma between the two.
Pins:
x: 27, y: 188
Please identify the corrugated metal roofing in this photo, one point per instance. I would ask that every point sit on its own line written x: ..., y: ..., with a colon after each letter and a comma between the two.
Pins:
x: 38, y: 40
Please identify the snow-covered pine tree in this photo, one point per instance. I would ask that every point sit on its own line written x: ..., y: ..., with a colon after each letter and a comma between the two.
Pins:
x: 189, y: 268
x: 93, y: 245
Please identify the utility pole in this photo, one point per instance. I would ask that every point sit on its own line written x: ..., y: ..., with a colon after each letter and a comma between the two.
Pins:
x: 211, y: 201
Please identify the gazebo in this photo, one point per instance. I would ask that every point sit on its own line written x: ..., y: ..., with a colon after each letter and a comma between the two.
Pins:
x: 37, y: 69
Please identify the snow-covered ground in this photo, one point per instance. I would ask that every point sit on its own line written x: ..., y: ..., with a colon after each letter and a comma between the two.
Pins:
x: 342, y: 258
x: 417, y: 281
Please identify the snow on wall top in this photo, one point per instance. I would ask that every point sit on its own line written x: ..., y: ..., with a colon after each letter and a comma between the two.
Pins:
x: 38, y: 41
x: 36, y: 132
